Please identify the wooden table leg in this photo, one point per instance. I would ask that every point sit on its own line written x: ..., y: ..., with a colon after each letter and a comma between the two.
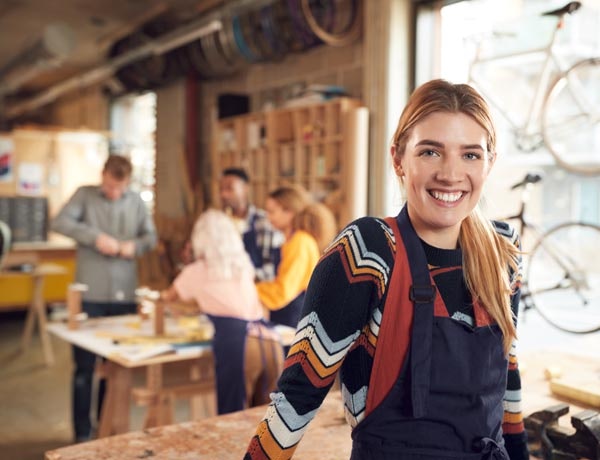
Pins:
x: 160, y: 406
x: 29, y: 324
x: 114, y: 418
x: 205, y: 404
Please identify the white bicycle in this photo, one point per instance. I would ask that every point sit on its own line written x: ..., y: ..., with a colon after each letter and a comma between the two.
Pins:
x: 564, y: 113
x: 562, y: 275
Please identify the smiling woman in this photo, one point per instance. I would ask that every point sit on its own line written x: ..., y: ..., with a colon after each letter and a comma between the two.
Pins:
x: 443, y: 168
x: 416, y: 312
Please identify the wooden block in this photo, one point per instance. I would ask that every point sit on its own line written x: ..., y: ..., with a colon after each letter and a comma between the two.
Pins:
x: 74, y: 304
x: 552, y: 372
x: 586, y: 392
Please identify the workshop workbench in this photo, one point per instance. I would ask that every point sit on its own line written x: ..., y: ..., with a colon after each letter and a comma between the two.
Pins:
x: 98, y: 336
x: 223, y: 438
x: 328, y: 437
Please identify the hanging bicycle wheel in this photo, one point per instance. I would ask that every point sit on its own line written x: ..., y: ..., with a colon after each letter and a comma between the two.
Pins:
x: 571, y: 118
x: 563, y: 277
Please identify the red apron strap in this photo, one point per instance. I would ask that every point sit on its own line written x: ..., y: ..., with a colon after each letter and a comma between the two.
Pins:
x: 394, y: 332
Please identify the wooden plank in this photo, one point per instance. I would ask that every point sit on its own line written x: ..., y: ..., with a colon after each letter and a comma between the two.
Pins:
x: 585, y: 391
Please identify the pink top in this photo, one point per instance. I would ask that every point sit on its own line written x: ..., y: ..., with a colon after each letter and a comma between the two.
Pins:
x: 236, y: 297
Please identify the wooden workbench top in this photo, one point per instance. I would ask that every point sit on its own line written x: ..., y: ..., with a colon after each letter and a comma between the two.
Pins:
x: 328, y: 436
x: 224, y: 438
x: 54, y: 242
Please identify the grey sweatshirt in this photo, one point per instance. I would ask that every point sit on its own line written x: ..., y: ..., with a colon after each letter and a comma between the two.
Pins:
x: 89, y: 213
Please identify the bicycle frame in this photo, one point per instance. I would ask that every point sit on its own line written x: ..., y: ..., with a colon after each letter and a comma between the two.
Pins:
x: 525, y: 226
x: 551, y: 66
x: 569, y: 276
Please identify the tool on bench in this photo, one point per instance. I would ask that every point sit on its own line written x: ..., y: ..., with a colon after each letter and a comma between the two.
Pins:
x: 560, y: 443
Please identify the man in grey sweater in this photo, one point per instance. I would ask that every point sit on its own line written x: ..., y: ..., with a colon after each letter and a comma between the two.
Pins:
x: 111, y: 226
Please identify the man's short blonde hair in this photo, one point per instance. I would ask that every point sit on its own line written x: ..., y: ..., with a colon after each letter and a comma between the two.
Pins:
x: 118, y: 167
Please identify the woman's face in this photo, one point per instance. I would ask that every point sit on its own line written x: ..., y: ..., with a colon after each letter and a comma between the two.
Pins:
x: 280, y: 218
x: 443, y: 169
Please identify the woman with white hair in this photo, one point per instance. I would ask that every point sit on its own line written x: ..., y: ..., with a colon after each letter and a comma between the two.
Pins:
x: 248, y: 353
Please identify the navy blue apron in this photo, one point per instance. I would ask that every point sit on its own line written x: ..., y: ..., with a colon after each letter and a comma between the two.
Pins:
x: 228, y: 345
x: 447, y: 400
x: 249, y: 239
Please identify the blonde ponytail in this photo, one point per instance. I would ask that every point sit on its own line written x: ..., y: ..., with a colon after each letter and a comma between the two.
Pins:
x: 487, y: 257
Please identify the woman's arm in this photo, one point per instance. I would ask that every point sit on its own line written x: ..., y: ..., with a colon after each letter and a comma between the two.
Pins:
x: 513, y: 427
x: 343, y: 291
x: 178, y: 300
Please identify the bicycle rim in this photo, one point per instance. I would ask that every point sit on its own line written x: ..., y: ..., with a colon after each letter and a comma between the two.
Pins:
x: 571, y: 118
x: 563, y: 277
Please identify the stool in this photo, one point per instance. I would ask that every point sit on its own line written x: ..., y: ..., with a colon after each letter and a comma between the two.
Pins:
x: 37, y: 310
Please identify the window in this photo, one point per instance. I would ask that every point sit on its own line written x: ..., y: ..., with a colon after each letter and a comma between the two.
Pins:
x: 448, y: 38
x: 133, y: 128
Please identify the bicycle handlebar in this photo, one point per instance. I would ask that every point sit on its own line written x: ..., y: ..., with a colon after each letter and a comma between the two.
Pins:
x: 530, y: 178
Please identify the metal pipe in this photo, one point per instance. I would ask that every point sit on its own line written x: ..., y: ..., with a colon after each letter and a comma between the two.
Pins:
x: 50, y: 50
x: 167, y: 42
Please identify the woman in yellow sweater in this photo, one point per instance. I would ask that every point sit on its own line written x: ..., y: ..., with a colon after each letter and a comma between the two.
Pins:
x: 308, y: 227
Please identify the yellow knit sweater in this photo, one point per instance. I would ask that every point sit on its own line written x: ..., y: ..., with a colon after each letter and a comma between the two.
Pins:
x: 299, y: 256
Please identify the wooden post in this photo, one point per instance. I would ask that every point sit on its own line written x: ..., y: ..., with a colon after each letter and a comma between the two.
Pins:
x: 74, y: 304
x: 159, y: 317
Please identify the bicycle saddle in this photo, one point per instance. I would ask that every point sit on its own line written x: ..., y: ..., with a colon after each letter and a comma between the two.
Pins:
x: 530, y: 178
x: 569, y: 8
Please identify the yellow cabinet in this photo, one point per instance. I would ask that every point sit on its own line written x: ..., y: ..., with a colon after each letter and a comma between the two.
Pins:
x: 16, y: 288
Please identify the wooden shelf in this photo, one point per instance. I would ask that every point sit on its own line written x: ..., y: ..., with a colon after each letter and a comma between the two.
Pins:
x: 322, y: 147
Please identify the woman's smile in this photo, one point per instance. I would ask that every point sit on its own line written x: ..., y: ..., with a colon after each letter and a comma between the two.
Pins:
x: 446, y: 197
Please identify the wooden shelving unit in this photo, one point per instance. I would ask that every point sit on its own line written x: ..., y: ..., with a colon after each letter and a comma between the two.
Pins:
x: 323, y: 147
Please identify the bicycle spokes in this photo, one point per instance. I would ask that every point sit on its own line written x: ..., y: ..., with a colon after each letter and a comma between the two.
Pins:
x: 564, y: 277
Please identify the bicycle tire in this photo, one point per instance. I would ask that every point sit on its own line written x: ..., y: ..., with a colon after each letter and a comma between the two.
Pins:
x: 349, y: 32
x: 563, y: 277
x: 571, y: 118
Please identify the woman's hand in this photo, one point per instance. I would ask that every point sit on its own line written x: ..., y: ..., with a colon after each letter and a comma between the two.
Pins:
x: 169, y: 294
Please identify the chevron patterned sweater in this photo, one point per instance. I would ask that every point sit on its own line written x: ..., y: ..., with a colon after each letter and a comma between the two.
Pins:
x: 338, y: 332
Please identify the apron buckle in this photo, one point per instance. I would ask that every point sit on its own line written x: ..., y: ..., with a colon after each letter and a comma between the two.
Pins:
x: 422, y: 294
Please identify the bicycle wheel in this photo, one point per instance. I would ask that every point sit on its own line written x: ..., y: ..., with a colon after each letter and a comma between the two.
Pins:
x: 571, y: 118
x: 563, y: 277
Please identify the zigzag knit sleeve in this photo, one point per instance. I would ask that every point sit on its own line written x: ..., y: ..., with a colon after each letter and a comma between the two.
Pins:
x: 513, y: 427
x: 345, y: 288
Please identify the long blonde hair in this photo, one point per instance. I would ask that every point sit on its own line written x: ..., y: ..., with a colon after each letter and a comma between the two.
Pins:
x: 216, y: 240
x: 311, y: 216
x: 487, y: 256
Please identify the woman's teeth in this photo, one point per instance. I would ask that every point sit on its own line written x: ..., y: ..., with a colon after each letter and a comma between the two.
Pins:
x: 446, y: 197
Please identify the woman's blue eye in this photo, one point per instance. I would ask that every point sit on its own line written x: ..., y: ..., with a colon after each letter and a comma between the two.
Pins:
x: 428, y: 153
x: 472, y: 156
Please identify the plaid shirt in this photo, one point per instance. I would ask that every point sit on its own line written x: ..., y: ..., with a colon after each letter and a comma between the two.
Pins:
x: 268, y: 241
